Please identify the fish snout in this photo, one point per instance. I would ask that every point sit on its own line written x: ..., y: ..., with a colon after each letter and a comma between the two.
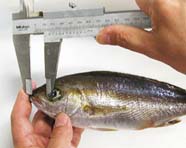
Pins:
x: 35, y: 99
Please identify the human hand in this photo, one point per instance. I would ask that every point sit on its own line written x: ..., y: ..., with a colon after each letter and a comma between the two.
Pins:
x: 40, y: 133
x: 167, y: 40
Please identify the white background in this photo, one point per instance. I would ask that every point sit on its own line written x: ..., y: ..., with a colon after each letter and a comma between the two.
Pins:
x: 79, y: 55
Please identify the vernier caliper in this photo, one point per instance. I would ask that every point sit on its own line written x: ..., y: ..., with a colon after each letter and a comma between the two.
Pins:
x: 58, y: 25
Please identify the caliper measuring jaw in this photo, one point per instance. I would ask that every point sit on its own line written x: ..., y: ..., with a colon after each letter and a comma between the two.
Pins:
x: 22, y: 48
x: 58, y: 25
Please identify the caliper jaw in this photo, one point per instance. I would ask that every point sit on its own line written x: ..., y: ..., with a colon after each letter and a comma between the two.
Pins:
x: 22, y: 47
x: 52, y: 52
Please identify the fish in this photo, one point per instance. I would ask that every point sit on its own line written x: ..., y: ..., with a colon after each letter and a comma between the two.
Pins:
x: 113, y: 101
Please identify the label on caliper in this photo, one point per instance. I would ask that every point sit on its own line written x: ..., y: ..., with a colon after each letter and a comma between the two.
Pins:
x: 28, y: 26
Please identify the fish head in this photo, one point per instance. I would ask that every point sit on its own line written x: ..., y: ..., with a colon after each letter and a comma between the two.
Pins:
x: 64, y: 98
x: 51, y: 104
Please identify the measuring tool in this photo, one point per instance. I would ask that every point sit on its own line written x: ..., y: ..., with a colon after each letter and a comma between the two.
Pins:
x: 58, y: 25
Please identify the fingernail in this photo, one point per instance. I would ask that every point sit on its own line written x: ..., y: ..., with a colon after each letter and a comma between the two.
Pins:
x: 61, y: 120
x: 103, y: 38
x: 107, y: 39
x: 34, y: 85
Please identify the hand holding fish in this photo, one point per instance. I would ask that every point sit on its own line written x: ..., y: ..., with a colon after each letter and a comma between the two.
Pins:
x: 167, y: 40
x: 40, y: 133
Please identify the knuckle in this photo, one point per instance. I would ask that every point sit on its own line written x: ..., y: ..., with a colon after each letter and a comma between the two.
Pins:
x: 57, y: 132
x: 123, y: 39
x: 61, y: 132
x: 161, y: 3
x: 166, y: 6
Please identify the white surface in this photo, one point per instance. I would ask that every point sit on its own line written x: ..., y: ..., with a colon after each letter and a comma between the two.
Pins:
x: 85, y: 55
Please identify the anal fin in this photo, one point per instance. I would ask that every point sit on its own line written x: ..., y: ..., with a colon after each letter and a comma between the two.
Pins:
x: 169, y: 123
x: 104, y: 129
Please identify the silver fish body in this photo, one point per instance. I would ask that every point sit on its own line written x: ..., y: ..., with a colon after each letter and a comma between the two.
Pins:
x: 108, y: 100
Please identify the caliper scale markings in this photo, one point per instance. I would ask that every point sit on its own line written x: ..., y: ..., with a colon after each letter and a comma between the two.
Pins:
x: 56, y: 28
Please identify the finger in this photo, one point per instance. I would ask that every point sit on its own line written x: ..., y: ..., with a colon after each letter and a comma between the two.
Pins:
x: 145, y: 5
x: 62, y: 133
x: 42, y: 124
x: 21, y: 125
x: 132, y: 38
x: 34, y: 85
x: 77, y: 132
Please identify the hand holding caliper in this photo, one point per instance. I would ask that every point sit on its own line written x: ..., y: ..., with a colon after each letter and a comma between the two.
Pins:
x: 58, y: 25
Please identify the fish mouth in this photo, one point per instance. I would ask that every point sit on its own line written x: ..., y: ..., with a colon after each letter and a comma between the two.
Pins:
x: 38, y: 103
x: 42, y: 105
x: 35, y: 99
x: 31, y: 98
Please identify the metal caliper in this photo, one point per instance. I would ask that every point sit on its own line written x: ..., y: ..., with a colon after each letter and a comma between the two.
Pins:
x: 58, y: 25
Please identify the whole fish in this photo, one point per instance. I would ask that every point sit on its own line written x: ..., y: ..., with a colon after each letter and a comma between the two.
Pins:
x: 109, y: 100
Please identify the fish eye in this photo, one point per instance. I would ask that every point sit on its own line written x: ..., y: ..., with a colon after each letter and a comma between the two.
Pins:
x: 55, y: 95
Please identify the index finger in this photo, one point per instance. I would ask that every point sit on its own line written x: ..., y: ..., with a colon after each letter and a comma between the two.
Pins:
x: 145, y: 5
x: 20, y: 123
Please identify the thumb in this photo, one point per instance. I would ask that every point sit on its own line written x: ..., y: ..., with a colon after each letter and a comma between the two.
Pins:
x: 132, y: 38
x: 62, y: 133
